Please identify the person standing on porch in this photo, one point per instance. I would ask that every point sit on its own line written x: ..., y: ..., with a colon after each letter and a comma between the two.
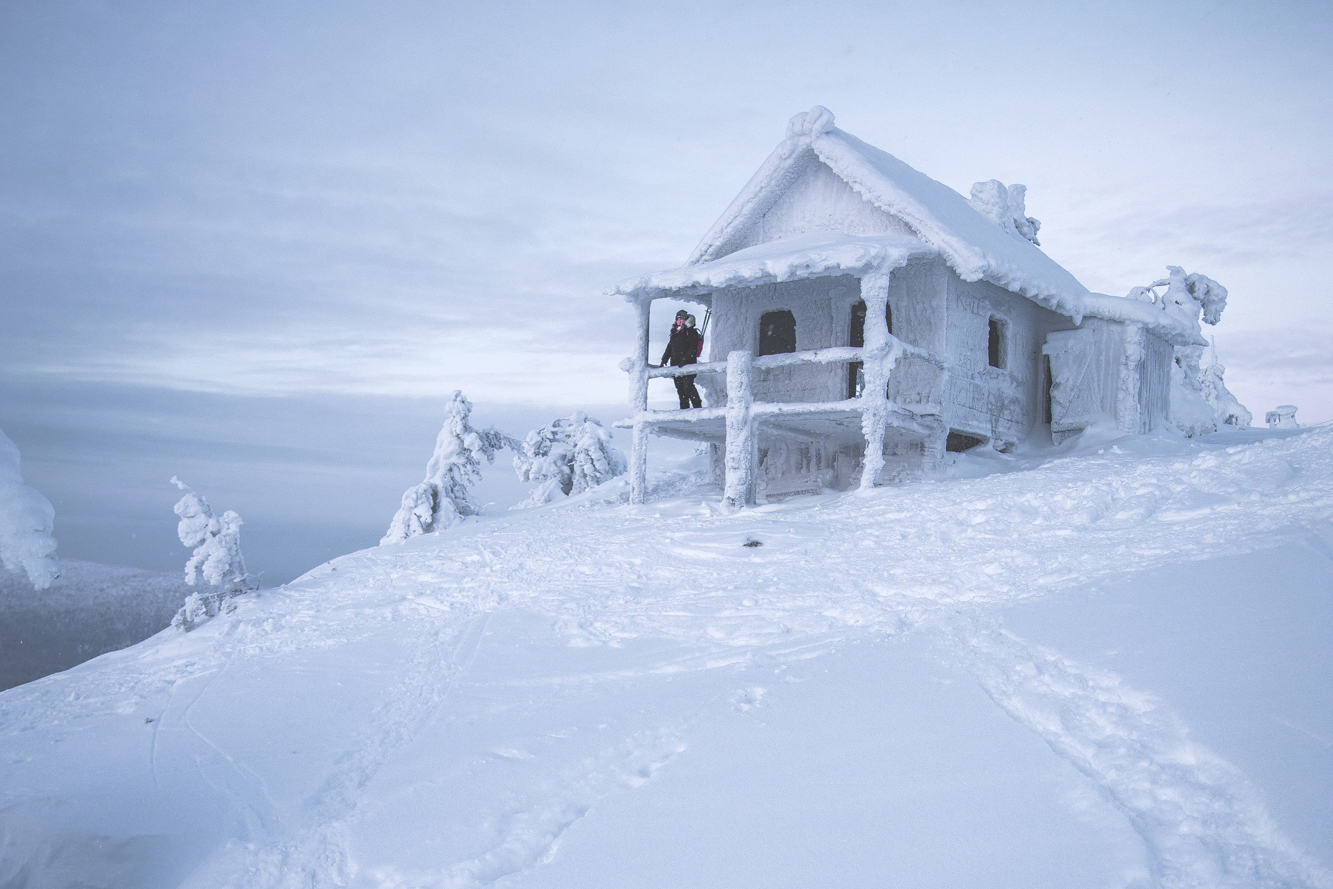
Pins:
x: 683, y: 348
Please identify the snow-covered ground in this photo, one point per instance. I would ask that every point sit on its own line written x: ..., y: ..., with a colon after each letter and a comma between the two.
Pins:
x: 1107, y: 666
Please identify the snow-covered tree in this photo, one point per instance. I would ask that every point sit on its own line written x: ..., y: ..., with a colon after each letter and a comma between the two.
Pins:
x: 443, y: 498
x: 27, y: 520
x: 1200, y: 402
x: 217, y: 558
x: 567, y: 456
x: 1226, y: 407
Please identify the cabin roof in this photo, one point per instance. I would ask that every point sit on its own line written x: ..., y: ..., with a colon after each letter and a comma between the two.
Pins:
x: 974, y: 247
x: 945, y: 224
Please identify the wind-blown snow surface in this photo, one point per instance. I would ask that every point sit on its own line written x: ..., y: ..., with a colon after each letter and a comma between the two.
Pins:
x: 1111, y: 668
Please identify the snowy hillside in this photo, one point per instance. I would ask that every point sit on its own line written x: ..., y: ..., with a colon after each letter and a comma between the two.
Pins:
x: 89, y: 610
x: 1107, y: 668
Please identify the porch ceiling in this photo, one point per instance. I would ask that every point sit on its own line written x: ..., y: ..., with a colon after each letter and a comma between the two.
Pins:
x: 810, y: 255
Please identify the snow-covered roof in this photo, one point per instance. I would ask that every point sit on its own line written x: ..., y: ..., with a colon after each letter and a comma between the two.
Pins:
x: 945, y: 224
x: 975, y: 247
x: 810, y: 255
x: 1133, y: 311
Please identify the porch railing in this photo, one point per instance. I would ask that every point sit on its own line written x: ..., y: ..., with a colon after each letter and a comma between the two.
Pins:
x: 741, y: 409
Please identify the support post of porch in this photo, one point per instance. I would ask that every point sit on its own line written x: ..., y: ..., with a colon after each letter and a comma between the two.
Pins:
x: 742, y: 453
x: 638, y: 397
x: 638, y: 463
x: 875, y: 394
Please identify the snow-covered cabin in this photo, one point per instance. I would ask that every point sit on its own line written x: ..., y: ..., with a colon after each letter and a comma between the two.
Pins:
x: 866, y: 319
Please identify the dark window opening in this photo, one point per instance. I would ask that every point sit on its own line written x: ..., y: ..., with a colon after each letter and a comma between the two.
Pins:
x: 961, y: 441
x: 857, y: 337
x: 997, y: 348
x: 777, y: 333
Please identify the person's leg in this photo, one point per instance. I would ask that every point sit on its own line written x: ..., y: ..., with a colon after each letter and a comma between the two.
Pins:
x: 692, y: 392
x: 683, y: 386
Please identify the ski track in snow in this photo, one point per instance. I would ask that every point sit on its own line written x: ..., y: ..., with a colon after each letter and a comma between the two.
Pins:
x: 1203, y: 824
x: 940, y: 558
x: 318, y: 855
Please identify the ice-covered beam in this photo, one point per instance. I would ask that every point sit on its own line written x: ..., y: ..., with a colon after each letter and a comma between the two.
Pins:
x: 638, y: 370
x: 879, y: 360
x: 686, y: 370
x: 742, y: 453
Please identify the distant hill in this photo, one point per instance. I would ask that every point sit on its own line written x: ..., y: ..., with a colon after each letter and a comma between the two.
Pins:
x: 90, y: 610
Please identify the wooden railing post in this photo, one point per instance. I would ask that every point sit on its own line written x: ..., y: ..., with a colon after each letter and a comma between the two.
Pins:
x: 638, y: 374
x: 638, y: 396
x: 875, y: 394
x: 742, y: 451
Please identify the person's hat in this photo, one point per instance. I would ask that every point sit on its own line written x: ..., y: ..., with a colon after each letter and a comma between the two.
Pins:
x: 689, y: 320
x: 682, y: 314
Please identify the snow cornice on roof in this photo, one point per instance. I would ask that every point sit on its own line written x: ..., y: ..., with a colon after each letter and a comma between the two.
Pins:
x: 810, y: 255
x: 1150, y: 316
x: 973, y: 246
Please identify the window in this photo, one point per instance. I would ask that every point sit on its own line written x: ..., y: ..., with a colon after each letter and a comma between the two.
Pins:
x: 998, y: 347
x: 857, y: 337
x: 777, y: 333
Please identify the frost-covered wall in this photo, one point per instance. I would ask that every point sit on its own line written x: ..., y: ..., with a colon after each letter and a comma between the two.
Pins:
x: 1001, y: 403
x: 1155, y: 382
x: 818, y: 200
x: 916, y: 302
x: 822, y: 309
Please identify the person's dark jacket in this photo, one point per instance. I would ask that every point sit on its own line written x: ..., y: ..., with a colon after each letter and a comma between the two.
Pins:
x: 682, y: 348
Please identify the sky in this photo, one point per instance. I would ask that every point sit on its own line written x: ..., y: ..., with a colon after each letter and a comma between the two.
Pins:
x: 239, y: 229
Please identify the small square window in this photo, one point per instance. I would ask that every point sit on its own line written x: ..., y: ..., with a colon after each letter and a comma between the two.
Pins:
x: 777, y: 333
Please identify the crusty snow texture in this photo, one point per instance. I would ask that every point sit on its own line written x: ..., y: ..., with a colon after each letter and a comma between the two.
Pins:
x: 567, y: 456
x: 443, y: 499
x: 27, y: 520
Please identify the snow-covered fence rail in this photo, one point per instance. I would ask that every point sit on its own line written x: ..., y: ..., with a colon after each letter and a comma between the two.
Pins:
x: 686, y: 370
x: 835, y: 355
x: 741, y: 410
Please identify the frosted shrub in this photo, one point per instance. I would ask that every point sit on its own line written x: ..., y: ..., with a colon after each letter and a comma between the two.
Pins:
x: 567, y: 456
x: 217, y: 558
x: 443, y: 498
x: 27, y: 520
x: 1226, y: 408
